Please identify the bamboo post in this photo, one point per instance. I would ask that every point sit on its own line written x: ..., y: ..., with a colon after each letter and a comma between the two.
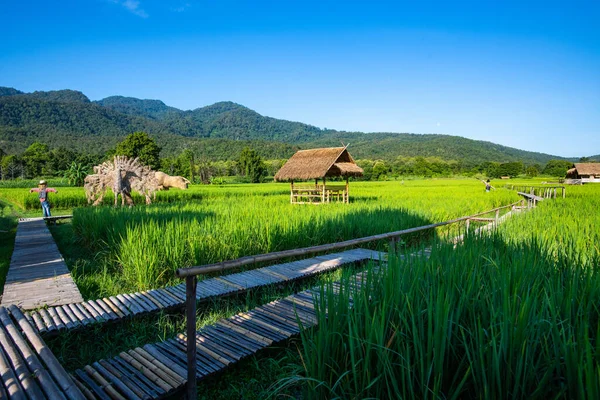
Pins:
x: 497, y: 216
x: 467, y: 224
x: 291, y: 192
x: 323, y: 194
x: 564, y: 191
x: 347, y: 199
x: 392, y: 244
x: 190, y: 313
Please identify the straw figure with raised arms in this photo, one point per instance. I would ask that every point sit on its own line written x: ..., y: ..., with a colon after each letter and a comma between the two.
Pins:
x: 121, y: 175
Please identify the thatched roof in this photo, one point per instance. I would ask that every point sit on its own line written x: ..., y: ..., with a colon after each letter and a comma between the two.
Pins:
x: 588, y: 168
x: 319, y: 163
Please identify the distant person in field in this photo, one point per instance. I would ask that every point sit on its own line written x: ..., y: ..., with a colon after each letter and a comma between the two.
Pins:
x: 488, y: 186
x: 42, y: 190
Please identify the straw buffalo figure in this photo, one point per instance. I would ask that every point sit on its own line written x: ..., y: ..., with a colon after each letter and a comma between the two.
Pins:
x: 121, y: 175
x: 167, y: 181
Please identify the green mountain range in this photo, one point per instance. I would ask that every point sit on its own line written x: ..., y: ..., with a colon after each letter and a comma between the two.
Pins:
x: 219, y: 131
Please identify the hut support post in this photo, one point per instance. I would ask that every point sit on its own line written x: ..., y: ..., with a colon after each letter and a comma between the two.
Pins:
x: 190, y: 314
x: 347, y: 192
x: 291, y: 192
x: 323, y: 195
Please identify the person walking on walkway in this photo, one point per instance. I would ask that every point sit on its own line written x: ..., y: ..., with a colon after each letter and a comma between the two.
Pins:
x: 42, y: 190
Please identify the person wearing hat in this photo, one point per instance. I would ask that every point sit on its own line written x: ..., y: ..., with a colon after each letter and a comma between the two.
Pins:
x: 42, y: 190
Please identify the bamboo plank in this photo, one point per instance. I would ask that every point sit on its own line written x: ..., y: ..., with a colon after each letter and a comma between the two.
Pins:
x: 155, y: 369
x: 140, y: 377
x: 131, y: 306
x: 143, y: 303
x: 258, y: 328
x: 247, y: 333
x: 123, y: 309
x: 152, y: 306
x: 98, y: 391
x: 80, y: 316
x: 111, y: 379
x: 218, y: 347
x: 107, y: 386
x: 88, y: 317
x: 21, y: 371
x: 171, y: 290
x: 103, y: 315
x: 83, y: 389
x: 147, y: 372
x: 177, y: 351
x: 47, y: 319
x: 39, y: 323
x: 233, y: 336
x: 209, y: 358
x: 8, y: 376
x: 179, y: 355
x: 92, y: 311
x: 131, y: 379
x: 72, y: 317
x: 106, y: 308
x: 57, y: 321
x: 154, y: 352
x: 33, y: 364
x: 142, y: 306
x: 231, y: 340
x: 169, y: 367
x: 114, y: 308
x: 154, y: 300
x: 54, y: 367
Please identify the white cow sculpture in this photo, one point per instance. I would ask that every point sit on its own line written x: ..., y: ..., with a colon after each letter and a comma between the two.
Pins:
x: 167, y: 181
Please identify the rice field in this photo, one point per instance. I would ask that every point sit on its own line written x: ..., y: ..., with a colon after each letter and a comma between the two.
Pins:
x: 141, y: 247
x: 511, y: 315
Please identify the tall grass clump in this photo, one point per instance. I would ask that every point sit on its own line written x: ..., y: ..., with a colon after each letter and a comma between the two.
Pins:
x: 484, y: 320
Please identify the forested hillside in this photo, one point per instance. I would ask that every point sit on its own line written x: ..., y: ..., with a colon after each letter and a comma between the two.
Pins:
x: 68, y: 118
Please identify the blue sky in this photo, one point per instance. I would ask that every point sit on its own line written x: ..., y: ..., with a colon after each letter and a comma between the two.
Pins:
x: 524, y: 74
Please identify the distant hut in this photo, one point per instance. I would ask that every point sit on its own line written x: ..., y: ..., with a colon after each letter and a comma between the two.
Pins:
x: 583, y: 173
x: 319, y: 164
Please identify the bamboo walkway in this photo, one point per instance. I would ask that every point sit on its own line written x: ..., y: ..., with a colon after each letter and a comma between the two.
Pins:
x: 78, y: 315
x: 38, y: 275
x: 159, y: 370
x: 28, y: 369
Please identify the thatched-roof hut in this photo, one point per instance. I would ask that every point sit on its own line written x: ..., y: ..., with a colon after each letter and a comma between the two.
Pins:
x: 584, y: 173
x: 319, y: 164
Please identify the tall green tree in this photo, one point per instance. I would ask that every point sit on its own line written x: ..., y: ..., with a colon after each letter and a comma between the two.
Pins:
x: 251, y: 165
x: 557, y: 168
x: 36, y: 158
x: 141, y: 145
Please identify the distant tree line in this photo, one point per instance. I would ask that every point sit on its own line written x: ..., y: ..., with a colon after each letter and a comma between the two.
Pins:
x: 38, y: 160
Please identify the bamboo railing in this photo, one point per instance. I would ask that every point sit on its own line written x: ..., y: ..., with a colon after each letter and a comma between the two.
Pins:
x: 547, y: 192
x: 191, y: 273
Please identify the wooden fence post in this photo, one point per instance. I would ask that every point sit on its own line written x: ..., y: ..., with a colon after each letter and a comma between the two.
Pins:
x: 497, y: 216
x: 392, y: 244
x: 468, y: 223
x: 190, y: 314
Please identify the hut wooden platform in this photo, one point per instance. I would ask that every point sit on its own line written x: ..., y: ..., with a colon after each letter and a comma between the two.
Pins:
x: 38, y: 275
x: 319, y: 164
x: 114, y: 308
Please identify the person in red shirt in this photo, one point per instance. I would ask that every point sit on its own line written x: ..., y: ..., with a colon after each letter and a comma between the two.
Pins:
x: 42, y: 190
